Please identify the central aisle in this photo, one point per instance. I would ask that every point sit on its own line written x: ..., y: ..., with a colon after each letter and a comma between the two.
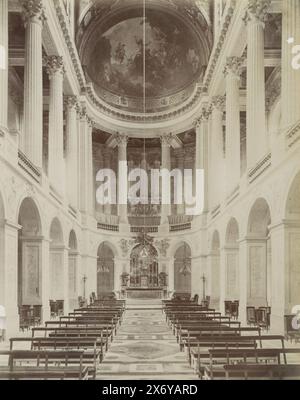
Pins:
x: 144, y: 349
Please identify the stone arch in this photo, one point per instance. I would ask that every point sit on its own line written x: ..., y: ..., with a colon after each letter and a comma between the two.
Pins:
x: 58, y: 258
x: 259, y: 254
x: 73, y: 273
x: 30, y: 269
x: 231, y: 250
x: 105, y: 269
x: 183, y: 269
x: 214, y: 271
x: 2, y: 251
x: 292, y: 255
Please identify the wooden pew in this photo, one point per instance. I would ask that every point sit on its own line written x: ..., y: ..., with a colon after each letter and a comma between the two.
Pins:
x: 92, y: 346
x: 213, y: 330
x: 197, y: 345
x: 58, y: 332
x: 262, y: 371
x: 44, y: 365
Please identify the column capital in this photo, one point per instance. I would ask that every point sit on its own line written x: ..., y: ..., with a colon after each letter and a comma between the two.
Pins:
x: 218, y: 103
x: 33, y: 11
x: 233, y: 66
x: 54, y: 64
x: 166, y: 140
x: 121, y: 139
x: 257, y: 11
x: 204, y: 116
x: 90, y: 122
x: 71, y: 102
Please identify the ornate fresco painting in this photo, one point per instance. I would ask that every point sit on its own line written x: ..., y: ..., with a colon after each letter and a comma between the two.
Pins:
x: 171, y: 62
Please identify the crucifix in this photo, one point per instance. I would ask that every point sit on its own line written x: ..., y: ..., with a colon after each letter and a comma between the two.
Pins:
x: 203, y: 281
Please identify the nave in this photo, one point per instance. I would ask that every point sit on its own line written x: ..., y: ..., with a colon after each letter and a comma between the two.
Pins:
x: 175, y: 339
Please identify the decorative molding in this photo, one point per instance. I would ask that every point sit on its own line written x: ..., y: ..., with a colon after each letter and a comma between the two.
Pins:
x: 218, y: 103
x: 257, y: 11
x: 54, y: 64
x: 233, y: 66
x: 33, y: 11
x: 71, y: 102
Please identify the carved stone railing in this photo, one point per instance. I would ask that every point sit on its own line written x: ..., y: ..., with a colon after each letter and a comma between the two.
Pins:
x: 260, y: 168
x: 28, y: 166
x: 233, y: 195
x: 141, y: 229
x: 216, y: 211
x: 180, y: 227
x: 293, y: 135
x: 180, y: 219
x: 106, y: 227
x: 72, y: 211
x: 107, y: 219
x: 144, y: 221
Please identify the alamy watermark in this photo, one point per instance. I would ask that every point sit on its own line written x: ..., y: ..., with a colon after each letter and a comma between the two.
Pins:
x: 152, y: 187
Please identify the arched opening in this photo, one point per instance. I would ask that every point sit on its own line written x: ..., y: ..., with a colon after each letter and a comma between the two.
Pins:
x: 144, y: 267
x: 259, y: 255
x: 105, y: 270
x: 57, y: 289
x: 232, y: 261
x: 29, y: 261
x: 215, y: 271
x: 292, y: 290
x: 2, y: 259
x: 182, y: 269
x: 73, y: 271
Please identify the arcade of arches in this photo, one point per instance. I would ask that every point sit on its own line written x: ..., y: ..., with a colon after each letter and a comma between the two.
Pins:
x: 71, y: 105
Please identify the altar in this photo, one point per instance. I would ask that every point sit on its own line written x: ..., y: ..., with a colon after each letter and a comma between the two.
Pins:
x: 144, y: 293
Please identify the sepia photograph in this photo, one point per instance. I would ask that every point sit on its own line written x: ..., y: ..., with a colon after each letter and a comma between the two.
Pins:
x: 149, y: 192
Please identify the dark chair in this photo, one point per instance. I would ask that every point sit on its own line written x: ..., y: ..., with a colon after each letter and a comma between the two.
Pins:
x: 196, y: 298
x: 250, y: 311
x: 235, y: 309
x: 261, y: 318
x: 227, y: 308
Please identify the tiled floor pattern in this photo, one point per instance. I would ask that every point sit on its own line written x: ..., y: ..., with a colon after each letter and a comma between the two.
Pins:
x: 144, y: 349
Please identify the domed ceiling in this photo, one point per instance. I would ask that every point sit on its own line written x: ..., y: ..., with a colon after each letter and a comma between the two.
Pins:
x: 143, y: 60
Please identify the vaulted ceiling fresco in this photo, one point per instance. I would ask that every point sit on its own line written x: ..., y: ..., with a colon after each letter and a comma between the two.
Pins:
x: 155, y: 56
x: 144, y: 60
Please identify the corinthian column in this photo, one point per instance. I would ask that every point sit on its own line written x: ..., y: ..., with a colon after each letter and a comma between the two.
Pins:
x: 3, y: 64
x: 33, y: 12
x: 290, y: 75
x: 91, y: 195
x: 166, y: 186
x: 179, y: 154
x: 202, y: 128
x: 233, y: 140
x: 71, y: 104
x: 56, y: 167
x: 257, y: 145
x: 122, y: 141
x: 217, y: 150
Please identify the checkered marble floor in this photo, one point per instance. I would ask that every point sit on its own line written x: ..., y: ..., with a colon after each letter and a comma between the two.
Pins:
x: 145, y: 349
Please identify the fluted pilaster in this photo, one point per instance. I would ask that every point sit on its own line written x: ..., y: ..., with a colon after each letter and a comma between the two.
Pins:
x: 290, y: 75
x: 3, y: 64
x: 166, y: 141
x: 56, y: 165
x: 34, y: 17
x: 71, y: 103
x: 256, y: 99
x: 233, y: 140
x: 217, y: 149
x: 202, y: 149
x: 122, y: 141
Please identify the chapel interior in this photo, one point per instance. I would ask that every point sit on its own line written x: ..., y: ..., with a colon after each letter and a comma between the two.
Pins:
x: 147, y: 289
